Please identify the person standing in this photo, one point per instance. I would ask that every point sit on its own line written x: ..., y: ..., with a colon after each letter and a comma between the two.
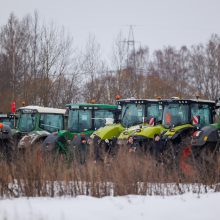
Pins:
x: 83, y: 150
x: 157, y: 147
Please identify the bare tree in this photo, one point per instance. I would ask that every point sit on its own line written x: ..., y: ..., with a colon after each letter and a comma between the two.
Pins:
x: 205, y: 61
x: 93, y: 67
x: 37, y: 57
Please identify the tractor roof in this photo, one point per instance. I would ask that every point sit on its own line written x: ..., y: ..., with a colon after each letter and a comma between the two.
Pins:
x: 41, y: 109
x: 138, y: 101
x: 89, y: 105
x: 189, y: 101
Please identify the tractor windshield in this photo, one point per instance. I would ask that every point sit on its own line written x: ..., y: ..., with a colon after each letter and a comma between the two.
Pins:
x: 27, y: 122
x: 132, y: 114
x: 51, y: 122
x: 79, y: 120
x: 154, y: 110
x: 175, y: 114
x: 201, y: 114
x: 100, y: 118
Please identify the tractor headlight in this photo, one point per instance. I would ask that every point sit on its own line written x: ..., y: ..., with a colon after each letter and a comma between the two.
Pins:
x: 205, y: 138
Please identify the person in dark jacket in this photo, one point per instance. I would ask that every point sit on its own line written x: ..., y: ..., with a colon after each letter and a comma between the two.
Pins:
x: 83, y: 150
x: 157, y: 146
x: 132, y: 146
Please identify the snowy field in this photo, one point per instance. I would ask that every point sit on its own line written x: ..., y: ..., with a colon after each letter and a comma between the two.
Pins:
x: 182, y: 207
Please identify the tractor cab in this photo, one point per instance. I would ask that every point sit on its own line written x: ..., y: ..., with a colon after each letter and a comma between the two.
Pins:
x: 136, y: 112
x: 182, y: 116
x: 90, y: 117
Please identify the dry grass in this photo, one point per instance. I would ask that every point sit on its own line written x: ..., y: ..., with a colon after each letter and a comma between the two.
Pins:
x: 128, y: 173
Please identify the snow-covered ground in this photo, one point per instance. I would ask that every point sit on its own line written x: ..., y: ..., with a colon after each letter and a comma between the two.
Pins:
x: 182, y: 207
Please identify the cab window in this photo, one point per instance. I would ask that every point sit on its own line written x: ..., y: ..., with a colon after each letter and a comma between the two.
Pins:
x: 51, y: 122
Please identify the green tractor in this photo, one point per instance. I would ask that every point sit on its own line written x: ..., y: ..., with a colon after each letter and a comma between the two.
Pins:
x: 180, y: 118
x: 83, y: 120
x: 35, y: 123
x: 135, y: 114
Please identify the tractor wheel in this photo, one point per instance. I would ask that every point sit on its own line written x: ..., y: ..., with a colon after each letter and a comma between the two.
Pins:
x: 186, y: 158
x: 203, y: 161
x: 209, y: 161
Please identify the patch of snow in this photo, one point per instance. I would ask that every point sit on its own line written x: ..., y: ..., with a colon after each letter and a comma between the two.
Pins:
x: 187, y: 206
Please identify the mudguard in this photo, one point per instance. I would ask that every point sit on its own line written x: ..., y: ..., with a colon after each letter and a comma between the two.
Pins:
x: 49, y: 142
x: 32, y: 138
x: 208, y: 134
x: 177, y: 131
x: 182, y: 132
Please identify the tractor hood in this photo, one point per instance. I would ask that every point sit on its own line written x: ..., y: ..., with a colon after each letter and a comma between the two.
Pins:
x: 176, y: 130
x: 130, y: 131
x: 109, y: 131
x: 149, y: 132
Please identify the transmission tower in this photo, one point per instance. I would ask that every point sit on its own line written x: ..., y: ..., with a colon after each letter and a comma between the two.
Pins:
x: 131, y: 53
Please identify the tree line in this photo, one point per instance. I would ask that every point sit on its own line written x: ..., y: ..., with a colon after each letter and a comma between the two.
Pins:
x: 40, y: 65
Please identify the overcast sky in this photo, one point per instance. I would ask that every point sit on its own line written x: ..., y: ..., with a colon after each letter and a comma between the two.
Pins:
x: 157, y: 23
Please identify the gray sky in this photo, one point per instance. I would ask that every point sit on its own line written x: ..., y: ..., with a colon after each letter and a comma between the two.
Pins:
x: 158, y: 22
